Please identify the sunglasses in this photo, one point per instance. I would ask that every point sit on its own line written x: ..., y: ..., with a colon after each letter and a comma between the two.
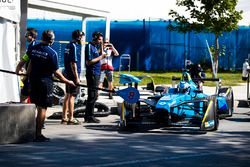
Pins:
x: 26, y: 35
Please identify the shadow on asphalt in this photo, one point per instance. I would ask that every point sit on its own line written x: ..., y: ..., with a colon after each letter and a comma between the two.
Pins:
x: 180, y: 130
x: 242, y: 118
x: 243, y: 104
x: 168, y: 130
x: 239, y: 119
x: 102, y: 127
x: 105, y: 149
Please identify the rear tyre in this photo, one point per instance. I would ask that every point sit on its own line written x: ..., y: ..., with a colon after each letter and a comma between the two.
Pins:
x: 229, y: 98
x: 100, y: 110
x: 231, y: 104
x: 58, y: 92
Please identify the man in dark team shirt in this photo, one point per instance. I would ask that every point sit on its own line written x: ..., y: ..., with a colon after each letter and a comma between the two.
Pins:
x: 93, y: 54
x: 43, y: 63
x: 30, y: 35
x: 72, y: 70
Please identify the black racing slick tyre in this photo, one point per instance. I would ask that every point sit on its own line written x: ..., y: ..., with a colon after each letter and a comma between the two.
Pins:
x: 231, y: 104
x: 100, y: 110
x: 216, y: 118
x: 210, y: 120
x: 216, y: 124
x: 58, y: 92
x: 229, y: 98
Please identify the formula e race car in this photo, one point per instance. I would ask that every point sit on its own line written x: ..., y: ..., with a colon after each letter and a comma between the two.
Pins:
x: 184, y: 105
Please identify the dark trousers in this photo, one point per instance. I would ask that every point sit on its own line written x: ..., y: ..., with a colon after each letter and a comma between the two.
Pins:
x: 92, y: 82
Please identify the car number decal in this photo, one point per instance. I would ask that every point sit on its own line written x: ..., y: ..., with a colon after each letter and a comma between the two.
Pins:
x: 209, y: 123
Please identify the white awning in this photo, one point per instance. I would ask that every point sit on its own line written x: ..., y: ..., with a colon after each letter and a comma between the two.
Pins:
x: 9, y: 83
x: 75, y: 8
x: 67, y: 7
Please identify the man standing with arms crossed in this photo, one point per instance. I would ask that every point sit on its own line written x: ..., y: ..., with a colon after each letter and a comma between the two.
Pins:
x: 93, y: 54
x: 72, y: 65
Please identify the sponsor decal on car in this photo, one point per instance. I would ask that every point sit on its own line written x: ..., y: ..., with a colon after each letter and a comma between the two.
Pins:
x: 162, y: 103
x: 209, y: 123
x: 166, y: 98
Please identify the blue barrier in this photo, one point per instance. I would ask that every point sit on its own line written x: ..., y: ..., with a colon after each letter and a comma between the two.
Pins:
x: 155, y: 47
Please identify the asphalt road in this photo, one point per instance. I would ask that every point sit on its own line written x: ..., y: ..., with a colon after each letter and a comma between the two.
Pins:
x: 100, y: 145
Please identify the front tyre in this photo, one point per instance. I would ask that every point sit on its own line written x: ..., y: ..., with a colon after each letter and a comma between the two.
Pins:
x: 210, y: 120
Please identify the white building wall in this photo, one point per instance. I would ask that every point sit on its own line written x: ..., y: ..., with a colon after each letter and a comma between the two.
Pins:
x: 9, y: 90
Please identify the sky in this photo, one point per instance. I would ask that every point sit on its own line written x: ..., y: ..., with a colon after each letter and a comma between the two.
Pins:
x: 134, y: 9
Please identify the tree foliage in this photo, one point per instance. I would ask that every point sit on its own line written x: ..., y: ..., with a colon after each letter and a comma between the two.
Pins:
x: 211, y: 16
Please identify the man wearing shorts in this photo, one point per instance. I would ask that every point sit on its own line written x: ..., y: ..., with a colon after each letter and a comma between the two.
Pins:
x: 72, y: 70
x: 106, y: 65
x: 43, y: 63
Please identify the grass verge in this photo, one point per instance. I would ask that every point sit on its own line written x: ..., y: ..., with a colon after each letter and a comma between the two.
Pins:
x: 228, y: 78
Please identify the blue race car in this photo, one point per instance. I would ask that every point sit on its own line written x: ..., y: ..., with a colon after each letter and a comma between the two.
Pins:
x: 184, y: 105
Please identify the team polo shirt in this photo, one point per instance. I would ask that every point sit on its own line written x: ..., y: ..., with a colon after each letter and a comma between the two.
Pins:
x: 91, y: 52
x: 72, y: 54
x: 32, y: 43
x: 25, y: 56
x: 44, y: 61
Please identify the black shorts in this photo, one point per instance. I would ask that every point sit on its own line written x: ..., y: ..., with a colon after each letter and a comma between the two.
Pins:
x: 41, y: 92
x: 74, y: 90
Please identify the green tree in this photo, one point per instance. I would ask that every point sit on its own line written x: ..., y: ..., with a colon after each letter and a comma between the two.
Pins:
x: 211, y: 16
